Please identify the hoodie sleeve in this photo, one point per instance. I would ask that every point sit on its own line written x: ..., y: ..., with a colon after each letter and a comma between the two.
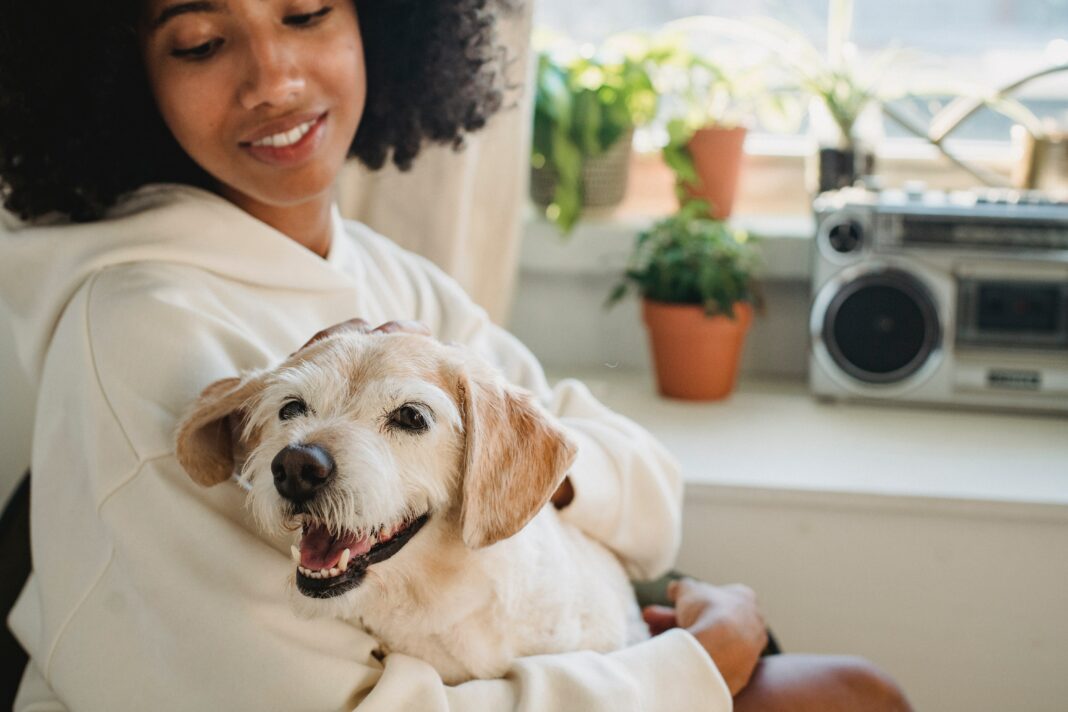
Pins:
x: 151, y: 592
x: 628, y: 489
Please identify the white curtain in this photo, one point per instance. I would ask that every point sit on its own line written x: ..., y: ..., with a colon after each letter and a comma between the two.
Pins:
x: 462, y: 209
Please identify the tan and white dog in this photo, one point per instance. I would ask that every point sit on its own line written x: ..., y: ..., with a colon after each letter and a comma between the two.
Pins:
x: 419, y: 482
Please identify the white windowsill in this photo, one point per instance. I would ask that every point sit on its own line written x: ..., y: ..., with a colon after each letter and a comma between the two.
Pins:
x: 774, y: 439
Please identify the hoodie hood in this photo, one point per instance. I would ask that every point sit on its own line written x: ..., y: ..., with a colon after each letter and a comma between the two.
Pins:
x: 43, y: 266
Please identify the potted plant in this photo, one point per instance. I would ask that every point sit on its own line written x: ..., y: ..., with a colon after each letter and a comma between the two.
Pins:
x: 587, y: 105
x: 695, y: 275
x: 840, y: 86
x: 707, y: 105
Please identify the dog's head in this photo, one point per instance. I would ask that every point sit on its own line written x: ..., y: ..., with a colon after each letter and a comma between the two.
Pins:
x: 360, y: 441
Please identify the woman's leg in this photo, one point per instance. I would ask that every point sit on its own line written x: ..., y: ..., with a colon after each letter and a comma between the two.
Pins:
x: 819, y: 683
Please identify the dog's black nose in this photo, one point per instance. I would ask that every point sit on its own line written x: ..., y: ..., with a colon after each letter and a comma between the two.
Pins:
x: 300, y: 470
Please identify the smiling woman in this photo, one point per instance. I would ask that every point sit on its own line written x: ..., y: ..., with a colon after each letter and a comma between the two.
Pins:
x: 382, y: 80
x: 151, y: 592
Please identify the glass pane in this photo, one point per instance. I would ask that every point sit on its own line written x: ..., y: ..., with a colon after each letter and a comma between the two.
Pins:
x: 958, y: 45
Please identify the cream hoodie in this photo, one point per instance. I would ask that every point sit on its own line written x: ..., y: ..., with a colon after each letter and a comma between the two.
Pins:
x: 151, y: 593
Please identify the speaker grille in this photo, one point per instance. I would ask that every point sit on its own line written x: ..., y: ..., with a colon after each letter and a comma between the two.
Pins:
x: 881, y: 327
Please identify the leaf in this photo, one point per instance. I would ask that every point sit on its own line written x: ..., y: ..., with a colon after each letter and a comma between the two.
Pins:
x: 617, y: 294
x: 587, y: 126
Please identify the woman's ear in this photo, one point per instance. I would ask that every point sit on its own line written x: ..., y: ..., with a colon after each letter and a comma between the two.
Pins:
x: 515, y: 457
x: 207, y: 445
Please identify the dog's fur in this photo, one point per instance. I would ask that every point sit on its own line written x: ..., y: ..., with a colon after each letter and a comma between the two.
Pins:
x: 494, y: 573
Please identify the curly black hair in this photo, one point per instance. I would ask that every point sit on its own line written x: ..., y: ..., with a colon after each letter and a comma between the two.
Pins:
x: 79, y: 126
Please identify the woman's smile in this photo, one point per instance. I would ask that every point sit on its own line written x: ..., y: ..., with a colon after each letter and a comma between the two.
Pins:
x: 287, y: 142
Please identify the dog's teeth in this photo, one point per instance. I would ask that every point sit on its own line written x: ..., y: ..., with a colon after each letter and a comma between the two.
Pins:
x: 334, y: 572
x: 344, y: 563
x: 295, y: 553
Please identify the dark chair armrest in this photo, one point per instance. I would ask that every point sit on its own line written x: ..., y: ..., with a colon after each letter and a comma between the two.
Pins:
x: 14, y: 570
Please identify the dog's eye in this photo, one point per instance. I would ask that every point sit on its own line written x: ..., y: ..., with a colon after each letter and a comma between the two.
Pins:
x: 408, y: 417
x: 293, y: 409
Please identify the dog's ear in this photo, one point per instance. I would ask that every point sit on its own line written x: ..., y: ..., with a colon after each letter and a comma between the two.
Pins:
x: 207, y: 446
x: 515, y: 457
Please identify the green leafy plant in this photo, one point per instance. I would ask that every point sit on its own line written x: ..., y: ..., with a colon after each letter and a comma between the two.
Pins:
x: 584, y: 103
x: 705, y: 94
x: 692, y: 258
x: 701, y: 88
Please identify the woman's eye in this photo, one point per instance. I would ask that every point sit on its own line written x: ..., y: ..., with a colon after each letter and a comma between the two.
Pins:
x: 409, y: 418
x: 293, y: 409
x: 201, y: 51
x: 306, y: 19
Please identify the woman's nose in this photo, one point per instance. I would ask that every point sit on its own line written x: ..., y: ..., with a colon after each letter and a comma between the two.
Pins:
x: 273, y: 77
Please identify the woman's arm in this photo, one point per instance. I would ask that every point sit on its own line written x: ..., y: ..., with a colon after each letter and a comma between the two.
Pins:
x: 627, y: 488
x: 154, y: 593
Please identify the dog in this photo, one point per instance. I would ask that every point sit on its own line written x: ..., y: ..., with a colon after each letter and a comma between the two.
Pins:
x: 419, y: 482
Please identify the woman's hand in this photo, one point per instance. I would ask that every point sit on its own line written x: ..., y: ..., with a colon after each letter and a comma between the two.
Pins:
x: 363, y: 326
x: 724, y: 619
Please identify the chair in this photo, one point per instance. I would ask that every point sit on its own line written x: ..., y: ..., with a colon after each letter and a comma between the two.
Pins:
x: 14, y: 570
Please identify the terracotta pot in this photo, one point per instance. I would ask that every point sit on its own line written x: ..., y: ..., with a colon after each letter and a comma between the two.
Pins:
x: 717, y: 156
x: 696, y: 356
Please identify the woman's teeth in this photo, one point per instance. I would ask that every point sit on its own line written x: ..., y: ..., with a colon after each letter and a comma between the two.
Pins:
x: 286, y: 138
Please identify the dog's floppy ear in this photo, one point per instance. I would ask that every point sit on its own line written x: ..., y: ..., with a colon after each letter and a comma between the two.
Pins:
x: 514, y: 459
x: 206, y: 444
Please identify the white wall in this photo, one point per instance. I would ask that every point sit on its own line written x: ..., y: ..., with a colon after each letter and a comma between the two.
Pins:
x: 961, y: 602
x: 562, y: 320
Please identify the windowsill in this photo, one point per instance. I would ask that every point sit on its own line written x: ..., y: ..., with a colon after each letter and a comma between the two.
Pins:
x: 775, y: 438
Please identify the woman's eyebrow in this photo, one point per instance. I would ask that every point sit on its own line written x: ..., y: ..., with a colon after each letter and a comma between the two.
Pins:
x: 181, y: 9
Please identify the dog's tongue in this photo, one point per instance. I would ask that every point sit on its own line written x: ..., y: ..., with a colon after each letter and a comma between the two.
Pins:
x: 319, y: 549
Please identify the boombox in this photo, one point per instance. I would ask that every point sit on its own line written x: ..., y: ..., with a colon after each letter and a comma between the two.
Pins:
x: 942, y: 298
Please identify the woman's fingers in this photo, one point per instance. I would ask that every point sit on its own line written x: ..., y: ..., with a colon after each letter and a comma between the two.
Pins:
x: 363, y: 326
x: 407, y: 326
x: 659, y: 618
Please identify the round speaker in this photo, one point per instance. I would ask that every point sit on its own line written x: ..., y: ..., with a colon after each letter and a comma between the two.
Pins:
x: 881, y: 327
x: 844, y: 237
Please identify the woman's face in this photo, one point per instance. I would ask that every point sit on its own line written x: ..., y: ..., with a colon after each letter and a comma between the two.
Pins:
x: 265, y: 95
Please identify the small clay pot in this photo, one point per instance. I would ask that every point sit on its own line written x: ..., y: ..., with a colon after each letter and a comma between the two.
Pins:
x: 717, y: 156
x: 696, y: 355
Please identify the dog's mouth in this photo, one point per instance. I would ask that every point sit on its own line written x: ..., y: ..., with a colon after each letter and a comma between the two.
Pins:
x: 330, y: 565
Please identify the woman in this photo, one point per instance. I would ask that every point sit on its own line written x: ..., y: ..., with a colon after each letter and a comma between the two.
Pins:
x: 194, y: 145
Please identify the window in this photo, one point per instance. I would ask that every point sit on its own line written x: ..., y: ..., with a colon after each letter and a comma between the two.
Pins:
x: 982, y: 43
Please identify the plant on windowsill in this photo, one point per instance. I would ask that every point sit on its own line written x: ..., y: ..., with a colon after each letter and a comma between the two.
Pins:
x: 840, y: 87
x: 695, y: 275
x: 706, y: 106
x: 586, y: 108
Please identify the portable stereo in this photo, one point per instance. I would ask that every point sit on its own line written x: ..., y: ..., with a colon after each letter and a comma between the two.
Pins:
x: 947, y: 298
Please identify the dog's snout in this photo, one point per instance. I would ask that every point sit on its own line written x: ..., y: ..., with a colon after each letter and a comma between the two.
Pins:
x: 301, y: 470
